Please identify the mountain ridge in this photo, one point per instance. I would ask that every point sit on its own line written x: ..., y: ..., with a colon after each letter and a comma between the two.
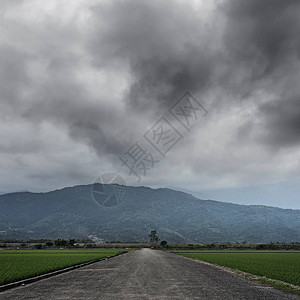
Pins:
x: 177, y: 216
x: 141, y: 186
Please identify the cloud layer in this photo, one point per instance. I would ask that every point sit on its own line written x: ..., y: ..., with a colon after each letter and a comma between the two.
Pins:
x: 80, y: 81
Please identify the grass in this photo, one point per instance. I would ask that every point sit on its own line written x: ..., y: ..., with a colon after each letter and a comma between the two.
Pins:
x: 21, y: 264
x: 279, y: 265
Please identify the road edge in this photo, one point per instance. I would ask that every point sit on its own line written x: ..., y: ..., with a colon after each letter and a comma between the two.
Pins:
x: 275, y: 283
x: 12, y: 285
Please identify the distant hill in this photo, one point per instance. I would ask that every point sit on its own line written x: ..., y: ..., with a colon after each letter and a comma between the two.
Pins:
x: 177, y: 216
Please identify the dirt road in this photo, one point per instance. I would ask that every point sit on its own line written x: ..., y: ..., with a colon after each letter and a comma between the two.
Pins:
x: 146, y: 274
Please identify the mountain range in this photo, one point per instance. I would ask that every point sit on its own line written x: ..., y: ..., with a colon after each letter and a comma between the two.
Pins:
x: 118, y: 213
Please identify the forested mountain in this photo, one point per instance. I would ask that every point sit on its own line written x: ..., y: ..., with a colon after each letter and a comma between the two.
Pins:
x: 129, y: 213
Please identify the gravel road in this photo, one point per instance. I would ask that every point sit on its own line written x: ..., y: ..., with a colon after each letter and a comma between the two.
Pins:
x: 146, y: 274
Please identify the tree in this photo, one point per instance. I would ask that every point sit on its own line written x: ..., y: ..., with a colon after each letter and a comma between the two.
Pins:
x: 71, y: 243
x: 153, y: 236
x: 49, y: 244
x: 58, y: 243
x: 38, y: 246
x: 163, y: 243
x: 64, y: 243
x: 61, y: 243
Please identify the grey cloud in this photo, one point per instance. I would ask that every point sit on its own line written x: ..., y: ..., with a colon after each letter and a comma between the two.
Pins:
x: 262, y: 38
x: 264, y: 31
x: 168, y: 48
x: 17, y: 147
x: 228, y: 54
x: 101, y: 140
x: 57, y: 96
x: 13, y: 74
x: 282, y: 121
x: 166, y: 45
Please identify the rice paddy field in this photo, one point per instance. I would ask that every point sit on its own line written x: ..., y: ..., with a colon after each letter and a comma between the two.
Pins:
x: 279, y: 265
x: 21, y: 264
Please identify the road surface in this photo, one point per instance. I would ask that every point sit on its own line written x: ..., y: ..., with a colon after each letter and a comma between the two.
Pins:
x: 146, y: 274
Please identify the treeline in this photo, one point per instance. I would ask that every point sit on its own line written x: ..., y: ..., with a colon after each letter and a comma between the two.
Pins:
x: 40, y: 244
x: 67, y: 244
x: 87, y: 243
x: 236, y: 246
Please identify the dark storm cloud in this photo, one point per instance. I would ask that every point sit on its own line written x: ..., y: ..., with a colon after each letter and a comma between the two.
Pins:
x: 262, y: 38
x: 101, y: 139
x: 53, y: 93
x: 164, y: 48
x: 263, y: 31
x: 165, y: 43
x: 12, y: 74
x: 282, y: 120
x: 87, y: 120
x: 169, y: 48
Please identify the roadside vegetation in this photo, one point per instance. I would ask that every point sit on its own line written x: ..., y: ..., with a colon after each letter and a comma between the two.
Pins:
x: 21, y: 264
x: 154, y: 242
x: 278, y: 265
x: 271, y: 261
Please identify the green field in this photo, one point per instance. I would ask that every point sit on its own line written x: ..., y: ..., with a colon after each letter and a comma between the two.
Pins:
x: 280, y: 265
x: 20, y: 264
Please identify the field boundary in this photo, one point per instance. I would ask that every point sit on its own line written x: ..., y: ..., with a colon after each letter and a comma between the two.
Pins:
x: 278, y: 284
x: 53, y: 273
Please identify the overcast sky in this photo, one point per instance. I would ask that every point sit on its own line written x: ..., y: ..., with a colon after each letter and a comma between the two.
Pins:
x: 83, y: 80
